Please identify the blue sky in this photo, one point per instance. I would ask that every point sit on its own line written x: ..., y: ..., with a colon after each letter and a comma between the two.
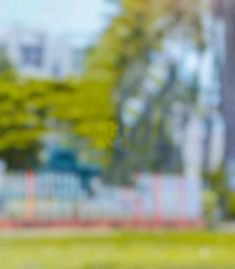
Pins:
x: 55, y: 15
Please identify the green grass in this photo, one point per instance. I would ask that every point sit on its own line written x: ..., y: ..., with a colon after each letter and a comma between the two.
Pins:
x: 118, y: 250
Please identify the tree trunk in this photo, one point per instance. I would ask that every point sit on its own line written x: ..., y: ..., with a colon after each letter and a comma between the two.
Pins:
x: 225, y: 11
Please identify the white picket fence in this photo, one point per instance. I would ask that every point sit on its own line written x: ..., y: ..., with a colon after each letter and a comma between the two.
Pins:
x: 52, y: 196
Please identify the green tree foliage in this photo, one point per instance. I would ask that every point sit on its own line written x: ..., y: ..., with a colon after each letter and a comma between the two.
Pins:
x: 21, y: 121
x: 30, y: 108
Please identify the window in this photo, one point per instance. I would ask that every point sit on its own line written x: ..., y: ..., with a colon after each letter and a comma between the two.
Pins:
x: 32, y: 55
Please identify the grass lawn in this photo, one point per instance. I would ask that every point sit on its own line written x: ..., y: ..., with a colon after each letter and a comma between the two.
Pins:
x: 118, y: 250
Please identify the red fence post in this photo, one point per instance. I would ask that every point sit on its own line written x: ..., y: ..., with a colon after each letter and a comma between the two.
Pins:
x: 30, y: 212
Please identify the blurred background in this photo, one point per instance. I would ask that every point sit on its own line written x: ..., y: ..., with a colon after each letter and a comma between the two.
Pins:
x: 118, y: 114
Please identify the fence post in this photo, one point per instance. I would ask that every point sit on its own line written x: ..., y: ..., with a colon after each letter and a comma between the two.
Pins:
x: 29, y: 179
x: 182, y: 190
x: 156, y: 190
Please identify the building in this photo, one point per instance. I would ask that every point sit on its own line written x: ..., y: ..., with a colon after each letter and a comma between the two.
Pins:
x: 40, y: 54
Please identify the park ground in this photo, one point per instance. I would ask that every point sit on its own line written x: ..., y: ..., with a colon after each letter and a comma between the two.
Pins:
x: 117, y: 250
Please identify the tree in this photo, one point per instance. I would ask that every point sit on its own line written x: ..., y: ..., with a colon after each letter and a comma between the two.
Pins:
x: 123, y: 56
x: 31, y: 108
x: 224, y: 11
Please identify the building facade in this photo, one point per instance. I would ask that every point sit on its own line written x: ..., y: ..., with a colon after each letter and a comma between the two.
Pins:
x: 43, y: 55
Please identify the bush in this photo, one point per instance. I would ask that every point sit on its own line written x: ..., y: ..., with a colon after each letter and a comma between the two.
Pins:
x: 230, y: 205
